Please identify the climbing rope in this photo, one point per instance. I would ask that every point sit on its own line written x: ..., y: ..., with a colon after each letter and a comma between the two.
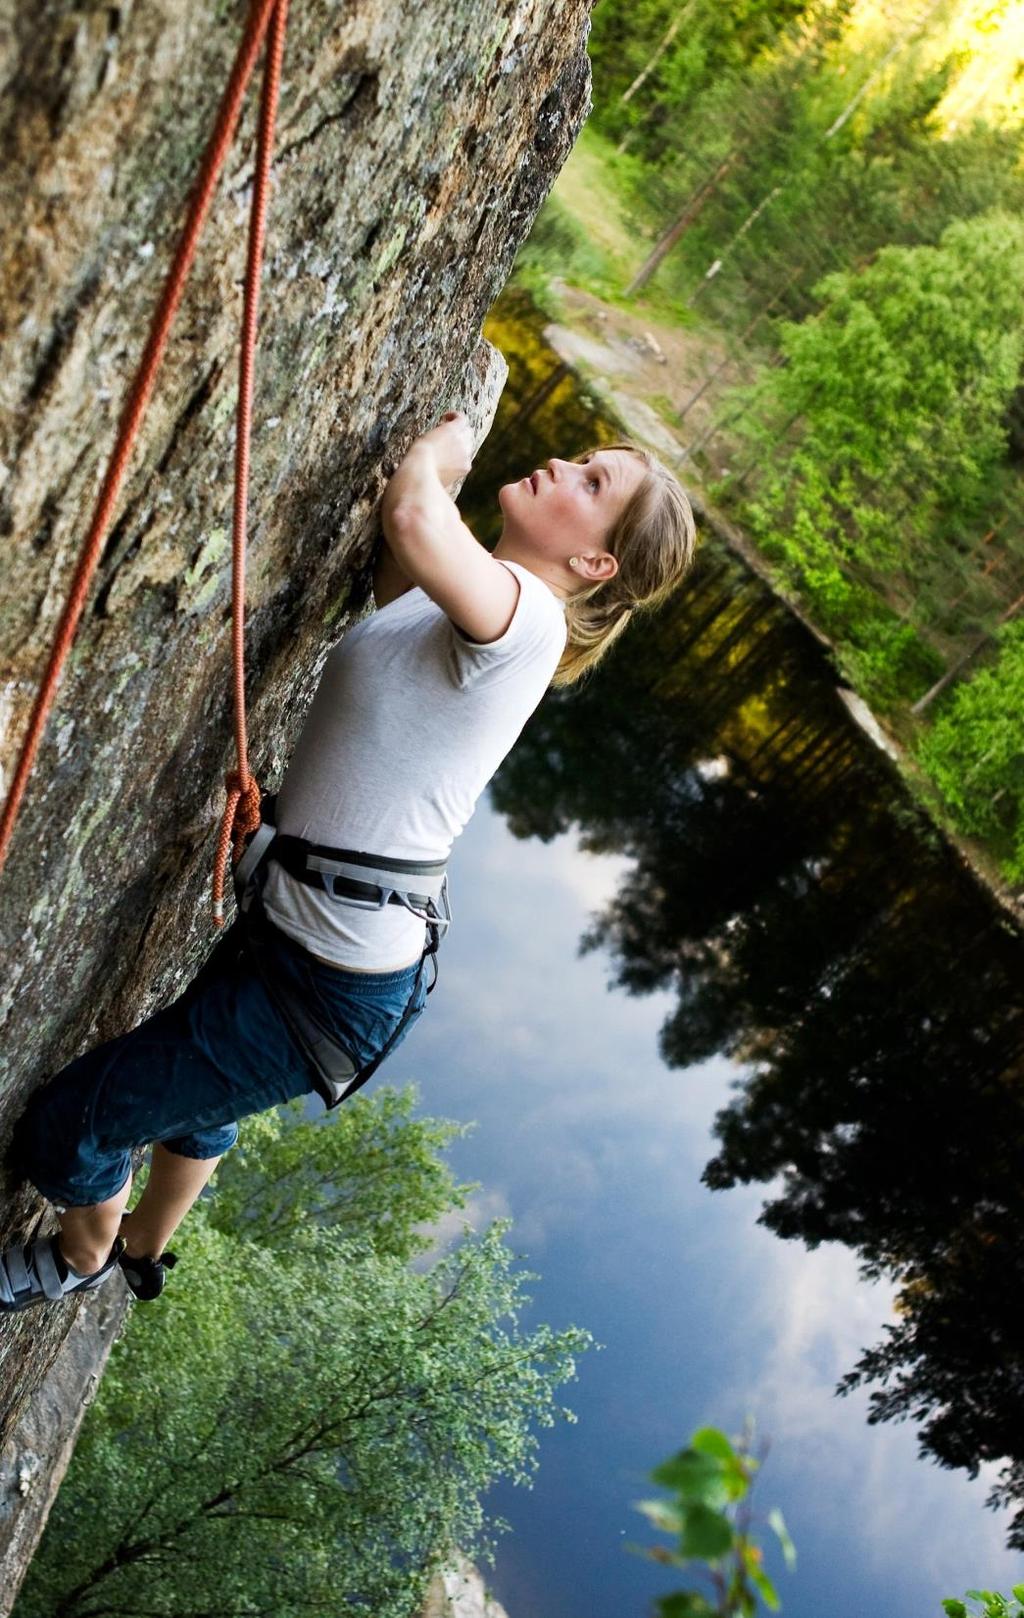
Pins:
x: 242, y: 810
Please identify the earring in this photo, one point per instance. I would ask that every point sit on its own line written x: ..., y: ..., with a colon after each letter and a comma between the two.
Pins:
x: 574, y: 561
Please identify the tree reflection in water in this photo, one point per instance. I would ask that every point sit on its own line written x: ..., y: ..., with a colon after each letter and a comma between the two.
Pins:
x: 813, y: 926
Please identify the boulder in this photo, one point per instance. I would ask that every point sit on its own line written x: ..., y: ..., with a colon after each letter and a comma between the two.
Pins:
x: 460, y: 1592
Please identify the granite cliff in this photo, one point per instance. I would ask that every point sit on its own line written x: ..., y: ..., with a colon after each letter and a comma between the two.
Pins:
x: 415, y: 146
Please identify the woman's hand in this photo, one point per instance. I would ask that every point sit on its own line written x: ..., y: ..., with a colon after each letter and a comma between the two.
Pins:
x: 450, y: 446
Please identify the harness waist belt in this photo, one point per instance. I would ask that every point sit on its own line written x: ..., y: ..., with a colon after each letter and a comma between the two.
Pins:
x: 368, y: 881
x: 365, y: 881
x: 346, y: 873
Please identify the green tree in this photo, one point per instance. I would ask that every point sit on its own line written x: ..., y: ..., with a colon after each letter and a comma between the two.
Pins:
x: 986, y: 1604
x: 881, y: 436
x: 974, y: 751
x: 837, y: 134
x: 374, y: 1171
x: 305, y: 1423
x: 677, y: 67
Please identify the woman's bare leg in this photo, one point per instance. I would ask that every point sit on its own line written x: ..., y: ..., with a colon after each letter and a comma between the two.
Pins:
x: 174, y: 1184
x: 88, y: 1234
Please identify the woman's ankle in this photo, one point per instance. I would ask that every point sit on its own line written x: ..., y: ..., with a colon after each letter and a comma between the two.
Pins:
x: 83, y: 1259
x: 138, y: 1243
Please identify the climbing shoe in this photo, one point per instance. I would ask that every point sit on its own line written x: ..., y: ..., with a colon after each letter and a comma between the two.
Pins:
x: 39, y: 1273
x: 146, y: 1276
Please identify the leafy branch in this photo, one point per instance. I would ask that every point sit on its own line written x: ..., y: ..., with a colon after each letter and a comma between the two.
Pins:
x: 709, y: 1517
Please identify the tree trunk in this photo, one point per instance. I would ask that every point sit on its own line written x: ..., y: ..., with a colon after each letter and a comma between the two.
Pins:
x: 954, y: 673
x: 662, y: 46
x: 668, y: 239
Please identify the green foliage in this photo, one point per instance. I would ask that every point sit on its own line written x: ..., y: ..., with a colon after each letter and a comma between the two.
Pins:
x: 879, y: 440
x: 557, y: 244
x: 708, y: 1516
x: 851, y: 156
x: 304, y: 1424
x: 974, y: 751
x: 987, y: 1604
x: 882, y: 457
x: 375, y: 1172
x: 715, y: 43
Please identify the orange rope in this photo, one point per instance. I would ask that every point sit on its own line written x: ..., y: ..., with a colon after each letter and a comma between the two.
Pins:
x: 242, y: 809
x: 257, y: 22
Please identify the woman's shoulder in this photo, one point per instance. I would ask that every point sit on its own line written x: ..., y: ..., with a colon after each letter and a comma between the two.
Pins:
x: 539, y: 596
x: 530, y: 647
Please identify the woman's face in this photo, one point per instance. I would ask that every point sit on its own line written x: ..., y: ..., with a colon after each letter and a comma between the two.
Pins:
x: 568, y: 508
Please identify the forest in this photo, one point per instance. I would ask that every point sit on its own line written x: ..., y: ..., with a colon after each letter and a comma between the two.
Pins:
x: 310, y: 1428
x: 830, y: 194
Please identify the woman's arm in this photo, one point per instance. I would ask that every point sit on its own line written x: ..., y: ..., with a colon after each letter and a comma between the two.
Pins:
x: 431, y: 545
x: 388, y: 579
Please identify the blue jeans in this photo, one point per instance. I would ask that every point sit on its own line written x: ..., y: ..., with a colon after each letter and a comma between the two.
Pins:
x: 186, y: 1075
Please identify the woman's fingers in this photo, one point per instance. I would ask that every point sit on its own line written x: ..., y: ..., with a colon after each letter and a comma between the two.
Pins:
x: 450, y: 443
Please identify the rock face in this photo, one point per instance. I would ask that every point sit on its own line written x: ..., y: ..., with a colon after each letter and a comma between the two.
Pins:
x: 40, y: 1444
x: 416, y: 143
x: 460, y: 1592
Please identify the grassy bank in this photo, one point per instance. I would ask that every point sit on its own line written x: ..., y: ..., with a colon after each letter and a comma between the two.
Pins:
x: 896, y: 632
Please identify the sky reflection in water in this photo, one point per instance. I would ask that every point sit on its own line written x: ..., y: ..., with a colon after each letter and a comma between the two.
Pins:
x: 596, y: 1149
x: 824, y: 968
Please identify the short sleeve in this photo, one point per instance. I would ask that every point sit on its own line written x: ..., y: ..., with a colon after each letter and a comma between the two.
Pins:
x: 534, y: 640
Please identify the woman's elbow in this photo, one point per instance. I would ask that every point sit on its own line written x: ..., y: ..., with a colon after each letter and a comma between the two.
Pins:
x: 407, y: 533
x: 402, y: 515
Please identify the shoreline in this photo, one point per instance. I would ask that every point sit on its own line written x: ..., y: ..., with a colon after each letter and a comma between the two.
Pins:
x: 583, y: 354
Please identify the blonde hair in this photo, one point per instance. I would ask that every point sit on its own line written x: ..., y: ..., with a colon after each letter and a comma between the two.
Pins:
x: 654, y: 542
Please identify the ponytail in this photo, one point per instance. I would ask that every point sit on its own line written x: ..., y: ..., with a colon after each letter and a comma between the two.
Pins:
x: 654, y: 542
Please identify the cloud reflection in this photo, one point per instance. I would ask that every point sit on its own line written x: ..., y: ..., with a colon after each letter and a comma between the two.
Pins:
x: 596, y: 1149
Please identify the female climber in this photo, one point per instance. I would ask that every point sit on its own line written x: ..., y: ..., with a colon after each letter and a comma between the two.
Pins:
x: 417, y: 706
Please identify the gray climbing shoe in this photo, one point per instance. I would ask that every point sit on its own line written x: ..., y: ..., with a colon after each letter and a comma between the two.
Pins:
x: 38, y: 1273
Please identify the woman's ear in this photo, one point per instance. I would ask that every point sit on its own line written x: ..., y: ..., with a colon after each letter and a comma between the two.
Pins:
x: 597, y: 569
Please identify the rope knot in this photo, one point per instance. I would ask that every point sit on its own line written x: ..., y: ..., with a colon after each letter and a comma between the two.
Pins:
x: 246, y: 798
x: 241, y: 816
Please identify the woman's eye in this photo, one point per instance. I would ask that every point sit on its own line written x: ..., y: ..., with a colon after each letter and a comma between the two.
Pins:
x: 595, y: 483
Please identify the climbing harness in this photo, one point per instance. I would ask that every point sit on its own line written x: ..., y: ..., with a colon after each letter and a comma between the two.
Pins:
x: 367, y: 881
x: 241, y: 814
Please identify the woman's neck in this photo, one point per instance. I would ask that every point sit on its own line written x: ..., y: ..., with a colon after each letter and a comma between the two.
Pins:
x: 546, y: 571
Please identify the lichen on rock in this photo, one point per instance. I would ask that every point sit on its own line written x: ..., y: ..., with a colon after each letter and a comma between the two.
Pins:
x: 415, y: 146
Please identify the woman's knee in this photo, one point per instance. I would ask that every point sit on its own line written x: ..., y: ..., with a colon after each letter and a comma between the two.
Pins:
x: 42, y: 1124
x: 52, y: 1146
x: 202, y: 1143
x: 28, y: 1132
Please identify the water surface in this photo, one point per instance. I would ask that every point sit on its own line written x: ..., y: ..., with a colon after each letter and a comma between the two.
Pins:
x: 796, y: 1016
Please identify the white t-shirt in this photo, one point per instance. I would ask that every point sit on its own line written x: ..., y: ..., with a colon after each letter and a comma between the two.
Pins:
x: 409, y: 722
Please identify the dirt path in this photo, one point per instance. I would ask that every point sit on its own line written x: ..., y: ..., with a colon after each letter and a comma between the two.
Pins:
x: 652, y: 371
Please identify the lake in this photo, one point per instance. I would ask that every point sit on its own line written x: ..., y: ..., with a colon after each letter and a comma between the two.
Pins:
x: 765, y: 1122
